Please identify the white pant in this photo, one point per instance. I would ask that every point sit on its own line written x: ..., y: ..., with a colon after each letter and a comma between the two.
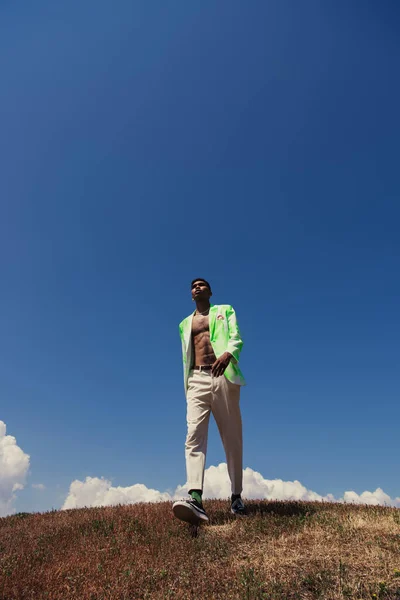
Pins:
x: 205, y: 394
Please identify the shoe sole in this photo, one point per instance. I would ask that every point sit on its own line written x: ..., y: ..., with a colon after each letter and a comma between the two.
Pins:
x: 186, y: 513
x: 238, y: 514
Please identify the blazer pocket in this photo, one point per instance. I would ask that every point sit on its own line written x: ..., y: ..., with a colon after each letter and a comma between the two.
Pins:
x: 221, y: 324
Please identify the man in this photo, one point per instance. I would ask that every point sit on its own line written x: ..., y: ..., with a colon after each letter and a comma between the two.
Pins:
x: 211, y: 345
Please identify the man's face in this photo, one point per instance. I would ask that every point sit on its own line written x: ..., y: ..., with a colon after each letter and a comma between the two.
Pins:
x: 200, y: 291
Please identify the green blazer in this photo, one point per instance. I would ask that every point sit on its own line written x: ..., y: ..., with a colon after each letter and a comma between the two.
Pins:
x: 224, y: 337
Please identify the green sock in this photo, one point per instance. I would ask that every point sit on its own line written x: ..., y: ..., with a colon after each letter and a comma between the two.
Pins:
x: 196, y: 495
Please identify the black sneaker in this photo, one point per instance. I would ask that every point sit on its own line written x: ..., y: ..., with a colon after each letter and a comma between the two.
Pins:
x: 238, y: 508
x: 190, y: 511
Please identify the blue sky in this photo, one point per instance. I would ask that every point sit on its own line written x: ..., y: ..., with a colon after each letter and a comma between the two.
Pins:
x: 147, y: 143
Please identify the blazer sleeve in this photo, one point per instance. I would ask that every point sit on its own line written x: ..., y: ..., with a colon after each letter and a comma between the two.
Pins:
x: 235, y: 341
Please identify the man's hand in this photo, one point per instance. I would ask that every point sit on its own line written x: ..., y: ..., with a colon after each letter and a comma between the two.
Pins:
x: 220, y: 364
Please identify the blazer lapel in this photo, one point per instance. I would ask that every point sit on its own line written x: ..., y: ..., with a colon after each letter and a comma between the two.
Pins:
x: 211, y: 320
x: 188, y: 332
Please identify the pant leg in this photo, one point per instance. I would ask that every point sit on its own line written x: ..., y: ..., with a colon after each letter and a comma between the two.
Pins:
x: 226, y: 410
x: 198, y: 398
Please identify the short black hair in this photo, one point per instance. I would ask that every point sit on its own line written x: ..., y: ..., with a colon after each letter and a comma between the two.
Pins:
x: 203, y: 280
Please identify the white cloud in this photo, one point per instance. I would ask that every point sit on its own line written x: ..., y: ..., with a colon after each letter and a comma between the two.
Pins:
x: 14, y: 466
x: 217, y: 485
x: 96, y: 491
x: 38, y: 486
x: 373, y: 498
x: 100, y: 492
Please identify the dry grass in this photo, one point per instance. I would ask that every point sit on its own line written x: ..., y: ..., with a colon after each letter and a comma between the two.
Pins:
x: 282, y: 551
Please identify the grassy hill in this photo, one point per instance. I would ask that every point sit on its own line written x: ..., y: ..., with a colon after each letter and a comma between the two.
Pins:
x: 283, y: 550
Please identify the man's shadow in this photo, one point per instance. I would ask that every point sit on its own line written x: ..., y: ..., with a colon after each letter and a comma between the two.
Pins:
x: 288, y: 508
x: 265, y: 508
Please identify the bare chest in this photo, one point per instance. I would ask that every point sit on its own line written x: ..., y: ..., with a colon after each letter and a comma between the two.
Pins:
x: 203, y: 351
x: 200, y: 325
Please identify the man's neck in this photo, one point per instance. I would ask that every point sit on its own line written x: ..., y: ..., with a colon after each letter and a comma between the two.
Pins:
x: 202, y: 306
